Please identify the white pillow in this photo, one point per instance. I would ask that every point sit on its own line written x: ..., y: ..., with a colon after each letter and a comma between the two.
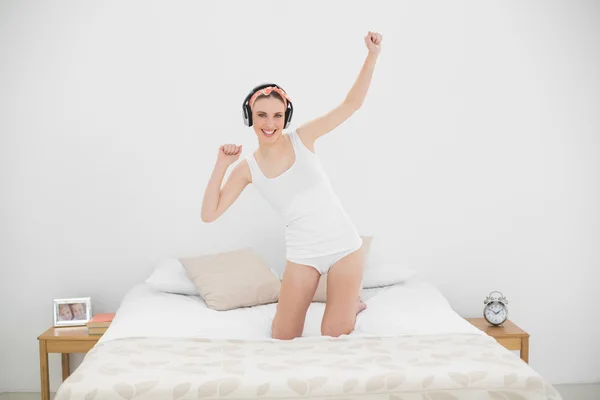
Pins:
x: 385, y: 274
x: 170, y: 276
x: 383, y: 270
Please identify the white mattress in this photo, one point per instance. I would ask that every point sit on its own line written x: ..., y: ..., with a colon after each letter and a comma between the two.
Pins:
x: 414, y: 307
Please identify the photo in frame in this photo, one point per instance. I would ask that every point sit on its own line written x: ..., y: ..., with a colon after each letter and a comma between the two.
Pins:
x: 72, y: 312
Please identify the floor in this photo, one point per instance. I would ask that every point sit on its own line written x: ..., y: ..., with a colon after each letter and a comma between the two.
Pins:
x: 569, y: 392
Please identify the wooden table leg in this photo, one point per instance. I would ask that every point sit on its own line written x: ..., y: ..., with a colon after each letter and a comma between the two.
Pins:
x: 44, y: 371
x: 525, y: 349
x: 66, y: 367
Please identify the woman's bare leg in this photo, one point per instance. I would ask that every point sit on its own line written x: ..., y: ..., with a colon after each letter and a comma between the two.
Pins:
x: 298, y: 288
x: 343, y: 287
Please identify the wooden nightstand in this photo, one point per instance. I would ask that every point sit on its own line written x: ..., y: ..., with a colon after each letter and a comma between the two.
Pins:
x: 63, y: 340
x: 509, y: 335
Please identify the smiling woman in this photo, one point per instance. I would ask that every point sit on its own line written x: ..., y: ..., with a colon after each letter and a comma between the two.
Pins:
x: 265, y: 112
x: 320, y: 237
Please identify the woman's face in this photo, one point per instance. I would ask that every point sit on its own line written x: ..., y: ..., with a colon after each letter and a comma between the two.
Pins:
x: 268, y: 118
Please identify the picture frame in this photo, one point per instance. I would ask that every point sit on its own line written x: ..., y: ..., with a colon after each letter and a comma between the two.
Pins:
x: 75, y: 311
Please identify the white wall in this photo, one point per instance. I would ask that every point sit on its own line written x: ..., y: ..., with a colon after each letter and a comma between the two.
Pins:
x: 474, y: 158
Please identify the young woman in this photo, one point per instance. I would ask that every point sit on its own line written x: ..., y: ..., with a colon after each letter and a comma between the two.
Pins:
x: 320, y: 238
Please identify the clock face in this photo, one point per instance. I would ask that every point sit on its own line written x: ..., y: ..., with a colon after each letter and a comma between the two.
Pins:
x: 495, y: 313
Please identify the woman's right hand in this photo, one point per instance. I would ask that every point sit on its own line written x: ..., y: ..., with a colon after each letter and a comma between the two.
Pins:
x: 228, y: 154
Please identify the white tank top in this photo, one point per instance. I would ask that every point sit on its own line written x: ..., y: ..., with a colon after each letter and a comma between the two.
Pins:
x: 316, y: 223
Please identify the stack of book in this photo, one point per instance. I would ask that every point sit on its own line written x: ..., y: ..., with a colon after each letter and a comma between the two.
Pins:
x: 99, y: 323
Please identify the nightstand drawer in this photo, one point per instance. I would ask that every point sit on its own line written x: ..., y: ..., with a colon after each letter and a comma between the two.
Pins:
x: 69, y: 346
x: 510, y: 343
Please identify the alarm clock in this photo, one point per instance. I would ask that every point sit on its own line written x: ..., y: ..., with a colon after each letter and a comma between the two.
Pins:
x: 495, y: 311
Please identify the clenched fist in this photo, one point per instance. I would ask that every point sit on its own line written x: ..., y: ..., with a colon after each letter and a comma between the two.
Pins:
x: 229, y: 153
x: 373, y: 41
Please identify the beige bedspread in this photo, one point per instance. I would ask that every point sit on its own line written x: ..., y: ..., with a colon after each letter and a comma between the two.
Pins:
x: 444, y: 367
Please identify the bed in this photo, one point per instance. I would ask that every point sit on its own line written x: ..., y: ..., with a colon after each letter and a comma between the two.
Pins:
x: 408, y: 344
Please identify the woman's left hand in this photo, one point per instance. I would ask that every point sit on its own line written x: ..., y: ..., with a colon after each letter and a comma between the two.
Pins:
x: 373, y: 41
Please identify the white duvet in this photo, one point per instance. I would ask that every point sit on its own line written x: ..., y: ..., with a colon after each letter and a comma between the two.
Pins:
x: 408, y: 344
x: 409, y: 308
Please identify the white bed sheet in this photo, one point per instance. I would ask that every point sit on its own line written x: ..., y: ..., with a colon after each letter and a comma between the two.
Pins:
x: 414, y: 307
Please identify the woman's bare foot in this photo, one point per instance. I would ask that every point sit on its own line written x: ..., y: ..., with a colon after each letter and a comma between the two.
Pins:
x: 361, y: 306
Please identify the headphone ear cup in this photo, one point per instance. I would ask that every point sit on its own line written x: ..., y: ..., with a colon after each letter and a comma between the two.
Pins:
x: 247, y: 115
x: 250, y: 122
x: 288, y: 115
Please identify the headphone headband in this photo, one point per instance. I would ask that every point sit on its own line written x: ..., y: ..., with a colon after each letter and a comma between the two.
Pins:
x: 267, y: 91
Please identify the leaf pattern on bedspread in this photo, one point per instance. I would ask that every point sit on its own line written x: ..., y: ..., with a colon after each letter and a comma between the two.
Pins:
x: 433, y: 367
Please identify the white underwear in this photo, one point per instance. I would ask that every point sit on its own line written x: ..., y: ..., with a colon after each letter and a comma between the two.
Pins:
x: 324, y: 263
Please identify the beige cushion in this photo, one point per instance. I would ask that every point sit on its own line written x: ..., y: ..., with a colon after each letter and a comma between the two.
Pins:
x: 321, y: 292
x: 233, y: 279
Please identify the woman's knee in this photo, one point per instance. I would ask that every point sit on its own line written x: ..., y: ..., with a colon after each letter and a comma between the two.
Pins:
x: 285, y: 334
x: 337, y: 326
x: 285, y: 331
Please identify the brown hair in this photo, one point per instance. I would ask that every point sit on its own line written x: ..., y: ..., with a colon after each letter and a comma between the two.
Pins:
x: 272, y: 94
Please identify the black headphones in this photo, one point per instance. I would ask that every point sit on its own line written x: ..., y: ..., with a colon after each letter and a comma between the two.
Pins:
x: 247, y: 112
